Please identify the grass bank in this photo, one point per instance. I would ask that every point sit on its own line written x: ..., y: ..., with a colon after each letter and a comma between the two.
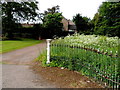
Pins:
x: 61, y: 77
x: 10, y: 45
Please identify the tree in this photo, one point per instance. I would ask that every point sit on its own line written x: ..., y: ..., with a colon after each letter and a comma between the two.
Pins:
x: 95, y: 21
x: 88, y: 26
x: 54, y: 9
x: 14, y: 12
x: 108, y: 20
x: 52, y: 22
x: 81, y: 23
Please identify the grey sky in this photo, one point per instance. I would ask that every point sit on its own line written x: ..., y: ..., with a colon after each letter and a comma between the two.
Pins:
x: 69, y: 8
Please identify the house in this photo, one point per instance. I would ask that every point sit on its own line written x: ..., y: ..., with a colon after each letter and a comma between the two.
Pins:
x: 68, y: 25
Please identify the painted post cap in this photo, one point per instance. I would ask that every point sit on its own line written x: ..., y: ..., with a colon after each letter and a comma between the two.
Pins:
x: 48, y: 40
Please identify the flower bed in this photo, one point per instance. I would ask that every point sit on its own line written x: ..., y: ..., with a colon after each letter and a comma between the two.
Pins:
x: 94, y: 56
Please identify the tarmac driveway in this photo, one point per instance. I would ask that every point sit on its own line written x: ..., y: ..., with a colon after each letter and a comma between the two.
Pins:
x: 16, y: 72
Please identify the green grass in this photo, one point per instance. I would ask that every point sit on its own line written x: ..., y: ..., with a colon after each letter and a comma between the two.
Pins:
x: 10, y: 45
x: 0, y: 62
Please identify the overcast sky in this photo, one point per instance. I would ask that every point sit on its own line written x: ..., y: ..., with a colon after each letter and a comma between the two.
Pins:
x: 69, y: 8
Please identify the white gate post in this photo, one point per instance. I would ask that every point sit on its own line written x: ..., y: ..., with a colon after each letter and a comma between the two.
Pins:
x: 48, y: 50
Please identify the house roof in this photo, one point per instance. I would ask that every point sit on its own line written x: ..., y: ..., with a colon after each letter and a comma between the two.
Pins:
x: 71, y: 22
x: 68, y: 24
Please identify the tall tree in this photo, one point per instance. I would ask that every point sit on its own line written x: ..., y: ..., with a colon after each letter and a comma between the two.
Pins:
x: 54, y: 9
x: 93, y: 22
x: 81, y: 23
x: 52, y: 22
x: 108, y: 22
x: 14, y: 12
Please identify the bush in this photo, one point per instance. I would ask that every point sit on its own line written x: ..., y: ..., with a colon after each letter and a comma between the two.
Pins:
x: 42, y: 58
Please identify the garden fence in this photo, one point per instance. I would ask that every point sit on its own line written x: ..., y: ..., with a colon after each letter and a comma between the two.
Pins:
x: 100, y: 65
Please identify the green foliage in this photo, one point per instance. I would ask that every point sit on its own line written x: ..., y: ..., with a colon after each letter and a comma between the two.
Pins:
x: 91, y: 41
x: 42, y: 58
x: 51, y: 19
x: 85, y: 53
x: 53, y: 25
x: 19, y: 10
x: 107, y: 20
x: 37, y: 28
x: 14, y: 12
x: 94, y: 56
x: 54, y: 9
x: 82, y: 24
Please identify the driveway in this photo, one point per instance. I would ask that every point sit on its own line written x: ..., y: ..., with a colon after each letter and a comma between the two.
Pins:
x: 16, y: 72
x: 25, y: 55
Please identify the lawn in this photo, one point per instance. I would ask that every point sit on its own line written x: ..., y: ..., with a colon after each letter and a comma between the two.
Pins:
x: 10, y: 45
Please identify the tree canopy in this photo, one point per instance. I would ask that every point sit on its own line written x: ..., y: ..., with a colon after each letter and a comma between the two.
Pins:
x: 107, y: 20
x: 54, y: 9
x: 14, y: 12
x: 52, y: 21
x: 81, y: 23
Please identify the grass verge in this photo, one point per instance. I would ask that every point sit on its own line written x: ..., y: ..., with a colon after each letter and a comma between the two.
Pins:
x: 61, y: 77
x: 42, y: 58
x: 10, y: 45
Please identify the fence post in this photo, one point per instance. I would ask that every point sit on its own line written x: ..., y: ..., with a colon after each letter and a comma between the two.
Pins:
x: 48, y: 50
x: 118, y: 53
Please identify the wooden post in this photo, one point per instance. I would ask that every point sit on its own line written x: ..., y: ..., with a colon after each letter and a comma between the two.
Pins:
x: 48, y: 50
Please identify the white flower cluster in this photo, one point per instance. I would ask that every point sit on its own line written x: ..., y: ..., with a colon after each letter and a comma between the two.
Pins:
x: 91, y: 41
